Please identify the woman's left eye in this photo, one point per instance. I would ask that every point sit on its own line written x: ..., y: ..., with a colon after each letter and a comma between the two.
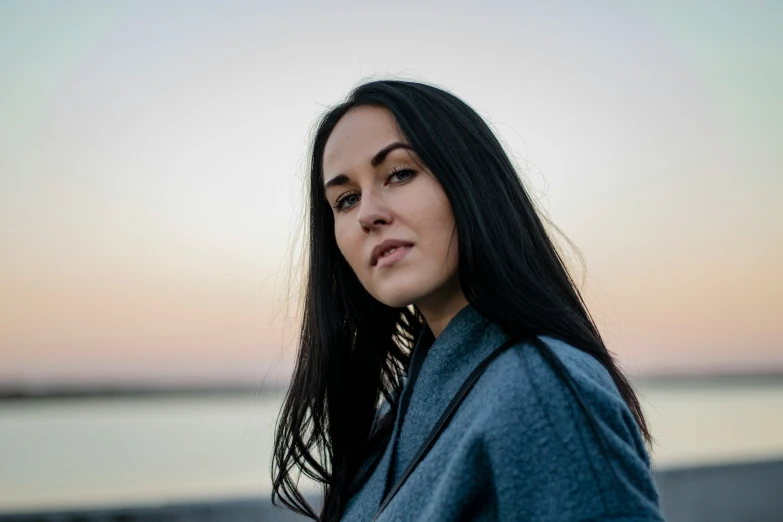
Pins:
x: 402, y: 175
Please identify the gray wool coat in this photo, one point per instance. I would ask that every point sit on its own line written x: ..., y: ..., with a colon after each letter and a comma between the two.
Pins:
x: 518, y: 448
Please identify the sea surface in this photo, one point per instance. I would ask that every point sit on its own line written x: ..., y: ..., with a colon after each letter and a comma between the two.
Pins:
x: 120, y: 451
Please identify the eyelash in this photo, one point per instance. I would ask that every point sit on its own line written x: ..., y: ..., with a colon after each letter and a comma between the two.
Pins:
x: 397, y: 170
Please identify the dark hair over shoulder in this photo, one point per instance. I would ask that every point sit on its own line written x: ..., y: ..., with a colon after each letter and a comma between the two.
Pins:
x: 354, y: 350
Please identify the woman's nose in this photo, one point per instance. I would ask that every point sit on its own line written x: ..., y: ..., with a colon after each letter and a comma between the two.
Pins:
x: 373, y: 211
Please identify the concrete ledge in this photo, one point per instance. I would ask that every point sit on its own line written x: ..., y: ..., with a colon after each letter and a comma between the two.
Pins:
x: 225, y: 511
x: 750, y: 491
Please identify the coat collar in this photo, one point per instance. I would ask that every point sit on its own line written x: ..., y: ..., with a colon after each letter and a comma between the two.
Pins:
x: 438, y: 369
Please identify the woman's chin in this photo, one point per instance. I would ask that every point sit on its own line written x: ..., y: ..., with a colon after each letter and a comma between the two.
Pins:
x: 396, y: 302
x: 396, y: 297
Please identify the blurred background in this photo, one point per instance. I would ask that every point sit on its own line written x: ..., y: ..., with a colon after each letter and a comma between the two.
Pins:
x: 152, y: 158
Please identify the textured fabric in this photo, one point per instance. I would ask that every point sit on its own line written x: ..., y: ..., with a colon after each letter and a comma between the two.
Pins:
x: 518, y: 448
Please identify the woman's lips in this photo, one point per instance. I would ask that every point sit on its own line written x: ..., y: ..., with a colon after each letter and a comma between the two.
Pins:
x: 388, y: 260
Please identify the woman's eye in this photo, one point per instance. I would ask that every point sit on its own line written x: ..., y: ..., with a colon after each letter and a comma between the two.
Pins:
x: 403, y: 175
x: 350, y: 199
x: 347, y: 201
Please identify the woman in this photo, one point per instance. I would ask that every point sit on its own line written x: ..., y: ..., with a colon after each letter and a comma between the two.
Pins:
x: 429, y: 268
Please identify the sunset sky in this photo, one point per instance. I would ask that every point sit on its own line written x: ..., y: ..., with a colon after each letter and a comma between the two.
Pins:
x: 152, y: 157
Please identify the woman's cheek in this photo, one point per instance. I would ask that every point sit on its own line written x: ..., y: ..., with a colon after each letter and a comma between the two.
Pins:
x: 349, y: 249
x: 341, y: 244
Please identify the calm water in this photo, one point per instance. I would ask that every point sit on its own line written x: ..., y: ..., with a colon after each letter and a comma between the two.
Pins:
x: 102, y: 452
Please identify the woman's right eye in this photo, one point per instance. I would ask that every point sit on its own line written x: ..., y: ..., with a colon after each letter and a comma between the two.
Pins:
x: 346, y: 198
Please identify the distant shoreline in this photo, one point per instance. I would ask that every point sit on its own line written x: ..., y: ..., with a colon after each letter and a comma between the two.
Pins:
x: 716, y: 379
x: 12, y: 392
x: 73, y: 392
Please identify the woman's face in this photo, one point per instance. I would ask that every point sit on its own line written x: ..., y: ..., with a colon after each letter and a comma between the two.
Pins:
x: 383, y: 197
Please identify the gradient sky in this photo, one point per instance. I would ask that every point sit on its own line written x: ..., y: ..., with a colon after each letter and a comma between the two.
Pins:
x: 152, y: 157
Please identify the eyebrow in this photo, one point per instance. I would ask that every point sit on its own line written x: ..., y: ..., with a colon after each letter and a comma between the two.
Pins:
x: 380, y: 156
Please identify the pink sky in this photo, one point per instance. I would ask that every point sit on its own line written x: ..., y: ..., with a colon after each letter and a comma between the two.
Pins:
x: 152, y: 159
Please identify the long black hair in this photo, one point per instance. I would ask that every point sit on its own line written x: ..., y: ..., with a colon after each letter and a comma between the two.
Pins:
x: 354, y: 350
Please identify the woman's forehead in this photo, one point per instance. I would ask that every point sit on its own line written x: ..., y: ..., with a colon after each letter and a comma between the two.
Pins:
x: 357, y: 137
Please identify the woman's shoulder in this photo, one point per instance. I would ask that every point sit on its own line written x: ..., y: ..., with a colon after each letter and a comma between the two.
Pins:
x: 526, y: 386
x: 589, y: 377
x: 524, y: 366
x: 526, y: 413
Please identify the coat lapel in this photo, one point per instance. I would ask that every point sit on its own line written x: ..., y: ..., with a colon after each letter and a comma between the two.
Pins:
x: 444, y: 366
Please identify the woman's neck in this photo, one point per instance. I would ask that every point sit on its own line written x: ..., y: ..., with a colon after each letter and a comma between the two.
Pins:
x: 438, y: 309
